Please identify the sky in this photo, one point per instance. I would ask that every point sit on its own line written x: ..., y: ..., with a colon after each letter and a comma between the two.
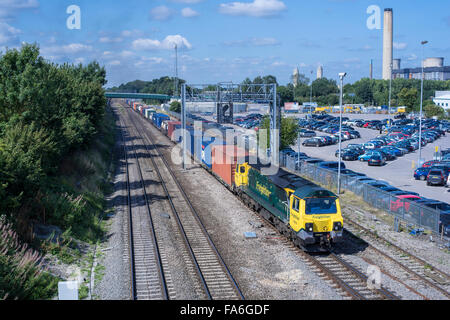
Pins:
x: 222, y: 40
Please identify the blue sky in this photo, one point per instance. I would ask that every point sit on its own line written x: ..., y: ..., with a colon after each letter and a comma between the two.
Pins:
x: 222, y: 40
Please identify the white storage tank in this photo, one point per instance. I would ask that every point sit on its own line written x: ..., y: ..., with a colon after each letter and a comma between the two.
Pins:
x: 433, y: 62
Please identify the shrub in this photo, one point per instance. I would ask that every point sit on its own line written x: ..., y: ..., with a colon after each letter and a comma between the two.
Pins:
x: 21, y: 276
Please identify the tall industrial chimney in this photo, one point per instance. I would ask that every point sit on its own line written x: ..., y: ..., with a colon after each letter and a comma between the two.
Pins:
x: 388, y: 39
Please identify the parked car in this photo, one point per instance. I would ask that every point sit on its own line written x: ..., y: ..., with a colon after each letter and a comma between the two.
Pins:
x: 429, y: 164
x: 402, y: 202
x: 366, y: 156
x: 307, y: 133
x: 331, y: 165
x: 313, y: 142
x: 350, y: 155
x: 437, y: 177
x: 421, y: 173
x: 376, y: 160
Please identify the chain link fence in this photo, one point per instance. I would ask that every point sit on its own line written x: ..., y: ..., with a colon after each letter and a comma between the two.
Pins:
x: 407, y: 211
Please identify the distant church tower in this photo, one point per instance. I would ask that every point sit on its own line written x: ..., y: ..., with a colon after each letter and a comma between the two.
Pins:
x: 319, y: 72
x: 295, y: 77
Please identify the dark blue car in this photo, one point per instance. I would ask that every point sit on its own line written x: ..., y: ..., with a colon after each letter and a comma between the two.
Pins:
x: 421, y: 173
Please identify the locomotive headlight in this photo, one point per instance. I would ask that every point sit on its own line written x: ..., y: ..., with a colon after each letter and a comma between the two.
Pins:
x: 309, y: 227
x: 337, y: 226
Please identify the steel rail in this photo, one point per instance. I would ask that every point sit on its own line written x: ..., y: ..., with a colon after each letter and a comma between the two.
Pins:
x: 194, y: 212
x: 160, y: 267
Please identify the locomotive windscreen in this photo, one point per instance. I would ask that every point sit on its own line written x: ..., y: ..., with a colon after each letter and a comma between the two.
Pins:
x: 320, y: 206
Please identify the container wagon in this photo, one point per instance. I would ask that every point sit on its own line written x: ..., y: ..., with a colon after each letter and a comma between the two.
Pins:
x: 301, y: 210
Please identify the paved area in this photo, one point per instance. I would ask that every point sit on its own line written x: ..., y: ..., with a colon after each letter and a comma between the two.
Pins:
x: 398, y: 173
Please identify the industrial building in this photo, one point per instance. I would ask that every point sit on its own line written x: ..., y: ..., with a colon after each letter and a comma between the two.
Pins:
x: 442, y: 99
x: 434, y: 69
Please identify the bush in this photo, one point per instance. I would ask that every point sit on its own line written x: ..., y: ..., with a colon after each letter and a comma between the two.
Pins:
x: 47, y: 111
x: 21, y: 276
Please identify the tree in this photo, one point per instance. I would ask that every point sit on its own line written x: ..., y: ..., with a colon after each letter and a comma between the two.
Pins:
x: 409, y: 98
x: 286, y: 93
x: 432, y: 110
x: 175, y: 106
x: 324, y: 87
x: 363, y: 90
x: 288, y: 132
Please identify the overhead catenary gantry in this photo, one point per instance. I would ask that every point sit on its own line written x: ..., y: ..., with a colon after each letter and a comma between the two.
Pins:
x: 224, y: 95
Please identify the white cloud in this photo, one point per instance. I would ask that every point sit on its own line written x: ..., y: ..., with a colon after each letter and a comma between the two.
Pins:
x: 9, y: 8
x: 167, y: 44
x: 110, y: 40
x: 187, y: 1
x: 400, y: 45
x: 80, y: 60
x: 114, y: 63
x: 189, y: 13
x: 8, y: 34
x: 126, y: 54
x: 257, y: 42
x: 411, y: 57
x: 69, y: 49
x: 257, y: 8
x: 161, y: 13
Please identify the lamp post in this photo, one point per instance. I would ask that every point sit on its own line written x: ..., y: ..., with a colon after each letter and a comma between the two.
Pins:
x: 341, y: 76
x: 310, y: 95
x: 390, y: 95
x: 423, y: 43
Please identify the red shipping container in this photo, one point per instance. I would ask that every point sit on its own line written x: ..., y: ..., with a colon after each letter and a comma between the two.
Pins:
x: 224, y: 161
x: 171, y: 128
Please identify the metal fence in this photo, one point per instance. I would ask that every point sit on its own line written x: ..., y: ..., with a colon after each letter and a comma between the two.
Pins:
x: 407, y: 211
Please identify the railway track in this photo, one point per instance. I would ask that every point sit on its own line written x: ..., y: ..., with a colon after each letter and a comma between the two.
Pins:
x: 211, y: 270
x: 147, y: 275
x: 351, y: 282
x: 407, y: 261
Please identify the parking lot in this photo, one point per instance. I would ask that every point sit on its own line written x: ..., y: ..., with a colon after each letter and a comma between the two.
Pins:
x: 398, y: 173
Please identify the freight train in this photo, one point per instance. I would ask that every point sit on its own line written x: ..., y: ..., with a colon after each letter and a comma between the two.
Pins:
x: 301, y: 210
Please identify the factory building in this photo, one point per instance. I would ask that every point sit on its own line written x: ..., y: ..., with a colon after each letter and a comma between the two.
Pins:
x: 434, y: 69
x: 442, y: 99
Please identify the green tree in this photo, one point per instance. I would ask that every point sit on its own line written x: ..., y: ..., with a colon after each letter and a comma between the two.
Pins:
x: 432, y: 110
x: 286, y: 93
x: 288, y: 132
x: 409, y: 98
x: 324, y: 87
x: 175, y: 106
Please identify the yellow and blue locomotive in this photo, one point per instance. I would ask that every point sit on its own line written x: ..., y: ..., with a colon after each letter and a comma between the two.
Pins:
x: 307, y: 213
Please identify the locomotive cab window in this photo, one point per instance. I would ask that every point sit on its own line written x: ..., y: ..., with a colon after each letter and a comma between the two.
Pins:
x: 296, y: 204
x: 321, y: 206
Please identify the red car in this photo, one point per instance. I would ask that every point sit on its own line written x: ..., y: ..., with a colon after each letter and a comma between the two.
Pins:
x: 400, y: 202
x: 429, y: 163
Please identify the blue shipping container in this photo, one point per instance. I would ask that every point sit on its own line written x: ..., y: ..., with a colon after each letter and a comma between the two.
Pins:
x: 207, y: 144
x: 158, y: 118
